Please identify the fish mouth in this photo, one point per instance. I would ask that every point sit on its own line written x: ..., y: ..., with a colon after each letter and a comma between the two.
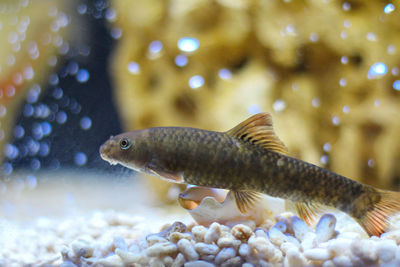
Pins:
x: 105, y: 150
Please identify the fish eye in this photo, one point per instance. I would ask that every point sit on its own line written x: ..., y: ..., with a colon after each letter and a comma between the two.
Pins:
x: 125, y: 143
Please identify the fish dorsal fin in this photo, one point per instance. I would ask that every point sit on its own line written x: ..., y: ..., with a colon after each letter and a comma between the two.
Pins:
x: 258, y: 130
x: 246, y: 199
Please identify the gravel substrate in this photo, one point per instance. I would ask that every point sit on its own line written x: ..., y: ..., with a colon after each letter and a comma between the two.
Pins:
x: 288, y: 242
x: 119, y: 239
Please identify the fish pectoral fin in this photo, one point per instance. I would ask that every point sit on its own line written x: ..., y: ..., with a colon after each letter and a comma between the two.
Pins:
x: 258, y: 130
x: 245, y: 199
x: 171, y: 177
x: 307, y: 211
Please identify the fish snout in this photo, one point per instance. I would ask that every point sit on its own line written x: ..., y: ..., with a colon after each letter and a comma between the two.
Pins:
x: 106, y: 150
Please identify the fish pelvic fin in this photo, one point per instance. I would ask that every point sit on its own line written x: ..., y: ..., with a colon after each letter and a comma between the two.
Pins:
x: 307, y: 211
x: 375, y: 219
x: 246, y: 199
x: 258, y: 130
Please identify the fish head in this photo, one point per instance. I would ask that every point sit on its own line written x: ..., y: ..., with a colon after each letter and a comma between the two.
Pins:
x: 128, y: 149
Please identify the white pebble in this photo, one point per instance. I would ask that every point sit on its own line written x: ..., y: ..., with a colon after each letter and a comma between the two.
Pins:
x: 206, y: 249
x: 213, y: 233
x: 161, y: 249
x: 82, y: 248
x: 187, y: 249
x: 328, y: 264
x: 242, y: 232
x: 386, y: 250
x: 228, y: 241
x: 285, y: 247
x: 129, y: 257
x: 261, y: 247
x: 154, y: 239
x: 235, y: 261
x: 225, y: 254
x: 365, y: 249
x: 294, y: 258
x: 317, y: 254
x: 199, y: 232
x: 339, y: 246
x: 308, y: 241
x: 300, y: 228
x: 342, y: 261
x: 154, y: 262
x: 179, y: 260
x: 113, y: 260
x: 261, y: 233
x: 325, y: 228
x: 244, y: 250
x: 277, y: 237
x: 198, y: 264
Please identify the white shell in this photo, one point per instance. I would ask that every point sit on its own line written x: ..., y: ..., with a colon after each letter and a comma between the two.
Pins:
x: 214, y: 207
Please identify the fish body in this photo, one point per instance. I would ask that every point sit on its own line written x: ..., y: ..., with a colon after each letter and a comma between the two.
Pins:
x: 249, y: 160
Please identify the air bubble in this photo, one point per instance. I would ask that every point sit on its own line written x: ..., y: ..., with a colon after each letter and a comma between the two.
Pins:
x: 82, y: 76
x: 335, y: 120
x: 7, y: 168
x: 19, y: 132
x: 116, y: 33
x: 324, y: 159
x: 44, y: 149
x: 61, y: 117
x: 80, y: 159
x: 279, y: 105
x: 225, y: 74
x: 3, y: 110
x: 35, y: 164
x: 86, y: 123
x: 315, y: 102
x: 343, y: 82
x: 327, y: 147
x: 181, y: 60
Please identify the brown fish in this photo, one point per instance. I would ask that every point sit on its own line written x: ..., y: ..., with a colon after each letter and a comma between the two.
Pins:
x: 248, y: 160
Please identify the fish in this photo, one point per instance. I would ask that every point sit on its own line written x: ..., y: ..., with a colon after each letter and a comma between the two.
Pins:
x: 250, y: 160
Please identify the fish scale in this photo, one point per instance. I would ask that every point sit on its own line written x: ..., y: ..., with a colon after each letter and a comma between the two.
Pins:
x: 248, y: 160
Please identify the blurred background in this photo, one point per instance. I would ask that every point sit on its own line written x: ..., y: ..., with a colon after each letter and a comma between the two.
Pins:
x: 72, y: 73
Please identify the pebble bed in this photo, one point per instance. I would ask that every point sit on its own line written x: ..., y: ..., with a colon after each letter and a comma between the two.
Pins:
x: 286, y: 241
x: 109, y: 238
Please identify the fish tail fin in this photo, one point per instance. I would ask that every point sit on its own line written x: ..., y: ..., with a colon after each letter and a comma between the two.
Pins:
x: 375, y: 219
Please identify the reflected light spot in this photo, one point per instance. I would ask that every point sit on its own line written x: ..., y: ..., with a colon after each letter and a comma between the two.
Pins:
x: 187, y: 44
x: 377, y: 70
x: 133, y: 68
x: 155, y: 47
x: 196, y: 81
x: 389, y: 8
x: 253, y: 109
x: 396, y: 85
